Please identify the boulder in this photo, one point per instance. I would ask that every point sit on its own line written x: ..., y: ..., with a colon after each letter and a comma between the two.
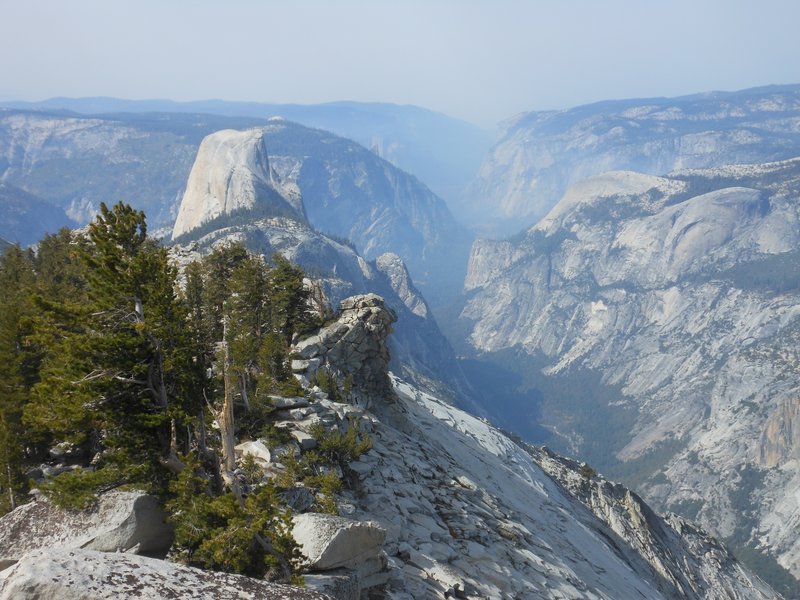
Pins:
x: 284, y: 403
x: 121, y: 521
x: 63, y: 574
x: 306, y: 441
x: 257, y: 449
x: 330, y: 542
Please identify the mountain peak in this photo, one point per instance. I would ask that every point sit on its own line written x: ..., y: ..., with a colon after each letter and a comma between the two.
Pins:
x: 232, y: 173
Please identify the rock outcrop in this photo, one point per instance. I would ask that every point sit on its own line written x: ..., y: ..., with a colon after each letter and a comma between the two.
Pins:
x: 87, y: 575
x: 651, y: 537
x: 355, y: 346
x: 330, y: 542
x: 540, y: 155
x: 682, y: 295
x: 120, y: 522
x: 469, y: 513
x: 445, y: 505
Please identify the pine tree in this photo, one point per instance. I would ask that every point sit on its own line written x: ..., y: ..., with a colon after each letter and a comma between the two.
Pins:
x: 121, y: 368
x: 16, y: 282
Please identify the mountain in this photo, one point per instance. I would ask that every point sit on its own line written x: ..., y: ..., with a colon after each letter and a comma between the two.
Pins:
x: 76, y: 162
x: 540, y: 154
x: 444, y: 152
x: 655, y: 323
x: 235, y: 194
x: 27, y: 218
x: 352, y: 193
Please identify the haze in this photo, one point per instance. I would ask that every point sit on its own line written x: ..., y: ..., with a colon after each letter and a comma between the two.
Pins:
x: 481, y: 61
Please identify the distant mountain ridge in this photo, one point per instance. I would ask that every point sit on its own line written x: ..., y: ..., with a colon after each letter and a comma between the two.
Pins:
x: 234, y: 194
x: 442, y: 151
x: 540, y: 154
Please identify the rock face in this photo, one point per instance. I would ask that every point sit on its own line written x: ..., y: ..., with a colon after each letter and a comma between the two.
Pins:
x: 231, y: 173
x: 329, y: 542
x: 353, y: 193
x: 541, y: 154
x: 682, y: 294
x: 120, y: 522
x: 647, y: 533
x: 355, y: 346
x: 86, y: 575
x: 75, y: 162
x: 445, y: 505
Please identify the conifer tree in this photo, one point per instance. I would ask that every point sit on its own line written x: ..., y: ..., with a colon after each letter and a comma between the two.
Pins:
x: 124, y: 364
x: 16, y: 282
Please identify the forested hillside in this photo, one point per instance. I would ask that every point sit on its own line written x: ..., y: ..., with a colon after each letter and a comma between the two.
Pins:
x: 117, y: 377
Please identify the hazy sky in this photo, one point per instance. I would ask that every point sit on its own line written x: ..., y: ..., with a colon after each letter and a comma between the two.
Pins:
x: 482, y: 61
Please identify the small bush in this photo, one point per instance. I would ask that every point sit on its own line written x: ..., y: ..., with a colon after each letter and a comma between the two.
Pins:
x: 220, y: 534
x: 341, y: 448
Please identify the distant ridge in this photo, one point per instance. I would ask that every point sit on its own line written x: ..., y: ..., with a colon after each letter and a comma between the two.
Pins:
x: 442, y: 151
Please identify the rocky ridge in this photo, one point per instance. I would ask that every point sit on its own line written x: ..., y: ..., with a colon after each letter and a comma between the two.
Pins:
x: 469, y: 513
x: 539, y: 155
x: 74, y: 162
x: 91, y: 575
x: 682, y: 293
x: 442, y: 505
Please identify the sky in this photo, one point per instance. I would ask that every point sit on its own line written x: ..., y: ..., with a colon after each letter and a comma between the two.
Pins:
x: 481, y: 61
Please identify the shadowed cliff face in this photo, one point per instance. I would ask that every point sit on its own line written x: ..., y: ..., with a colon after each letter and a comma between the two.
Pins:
x: 683, y: 294
x: 541, y: 154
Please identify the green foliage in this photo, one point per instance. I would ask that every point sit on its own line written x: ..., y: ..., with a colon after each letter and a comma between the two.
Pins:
x: 330, y: 383
x: 98, y: 348
x: 222, y: 534
x: 316, y: 469
x: 78, y: 489
x: 328, y: 484
x: 587, y: 472
x: 16, y: 307
x: 340, y: 448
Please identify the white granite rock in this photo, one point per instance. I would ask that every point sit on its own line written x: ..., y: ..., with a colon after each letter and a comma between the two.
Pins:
x: 120, y: 522
x: 62, y: 574
x: 330, y: 542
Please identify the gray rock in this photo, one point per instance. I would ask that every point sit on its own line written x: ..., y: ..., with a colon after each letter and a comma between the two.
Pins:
x: 330, y: 542
x: 674, y: 291
x: 341, y: 584
x: 306, y: 441
x: 120, y: 522
x: 299, y: 498
x: 283, y: 403
x: 62, y: 574
x: 257, y: 449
